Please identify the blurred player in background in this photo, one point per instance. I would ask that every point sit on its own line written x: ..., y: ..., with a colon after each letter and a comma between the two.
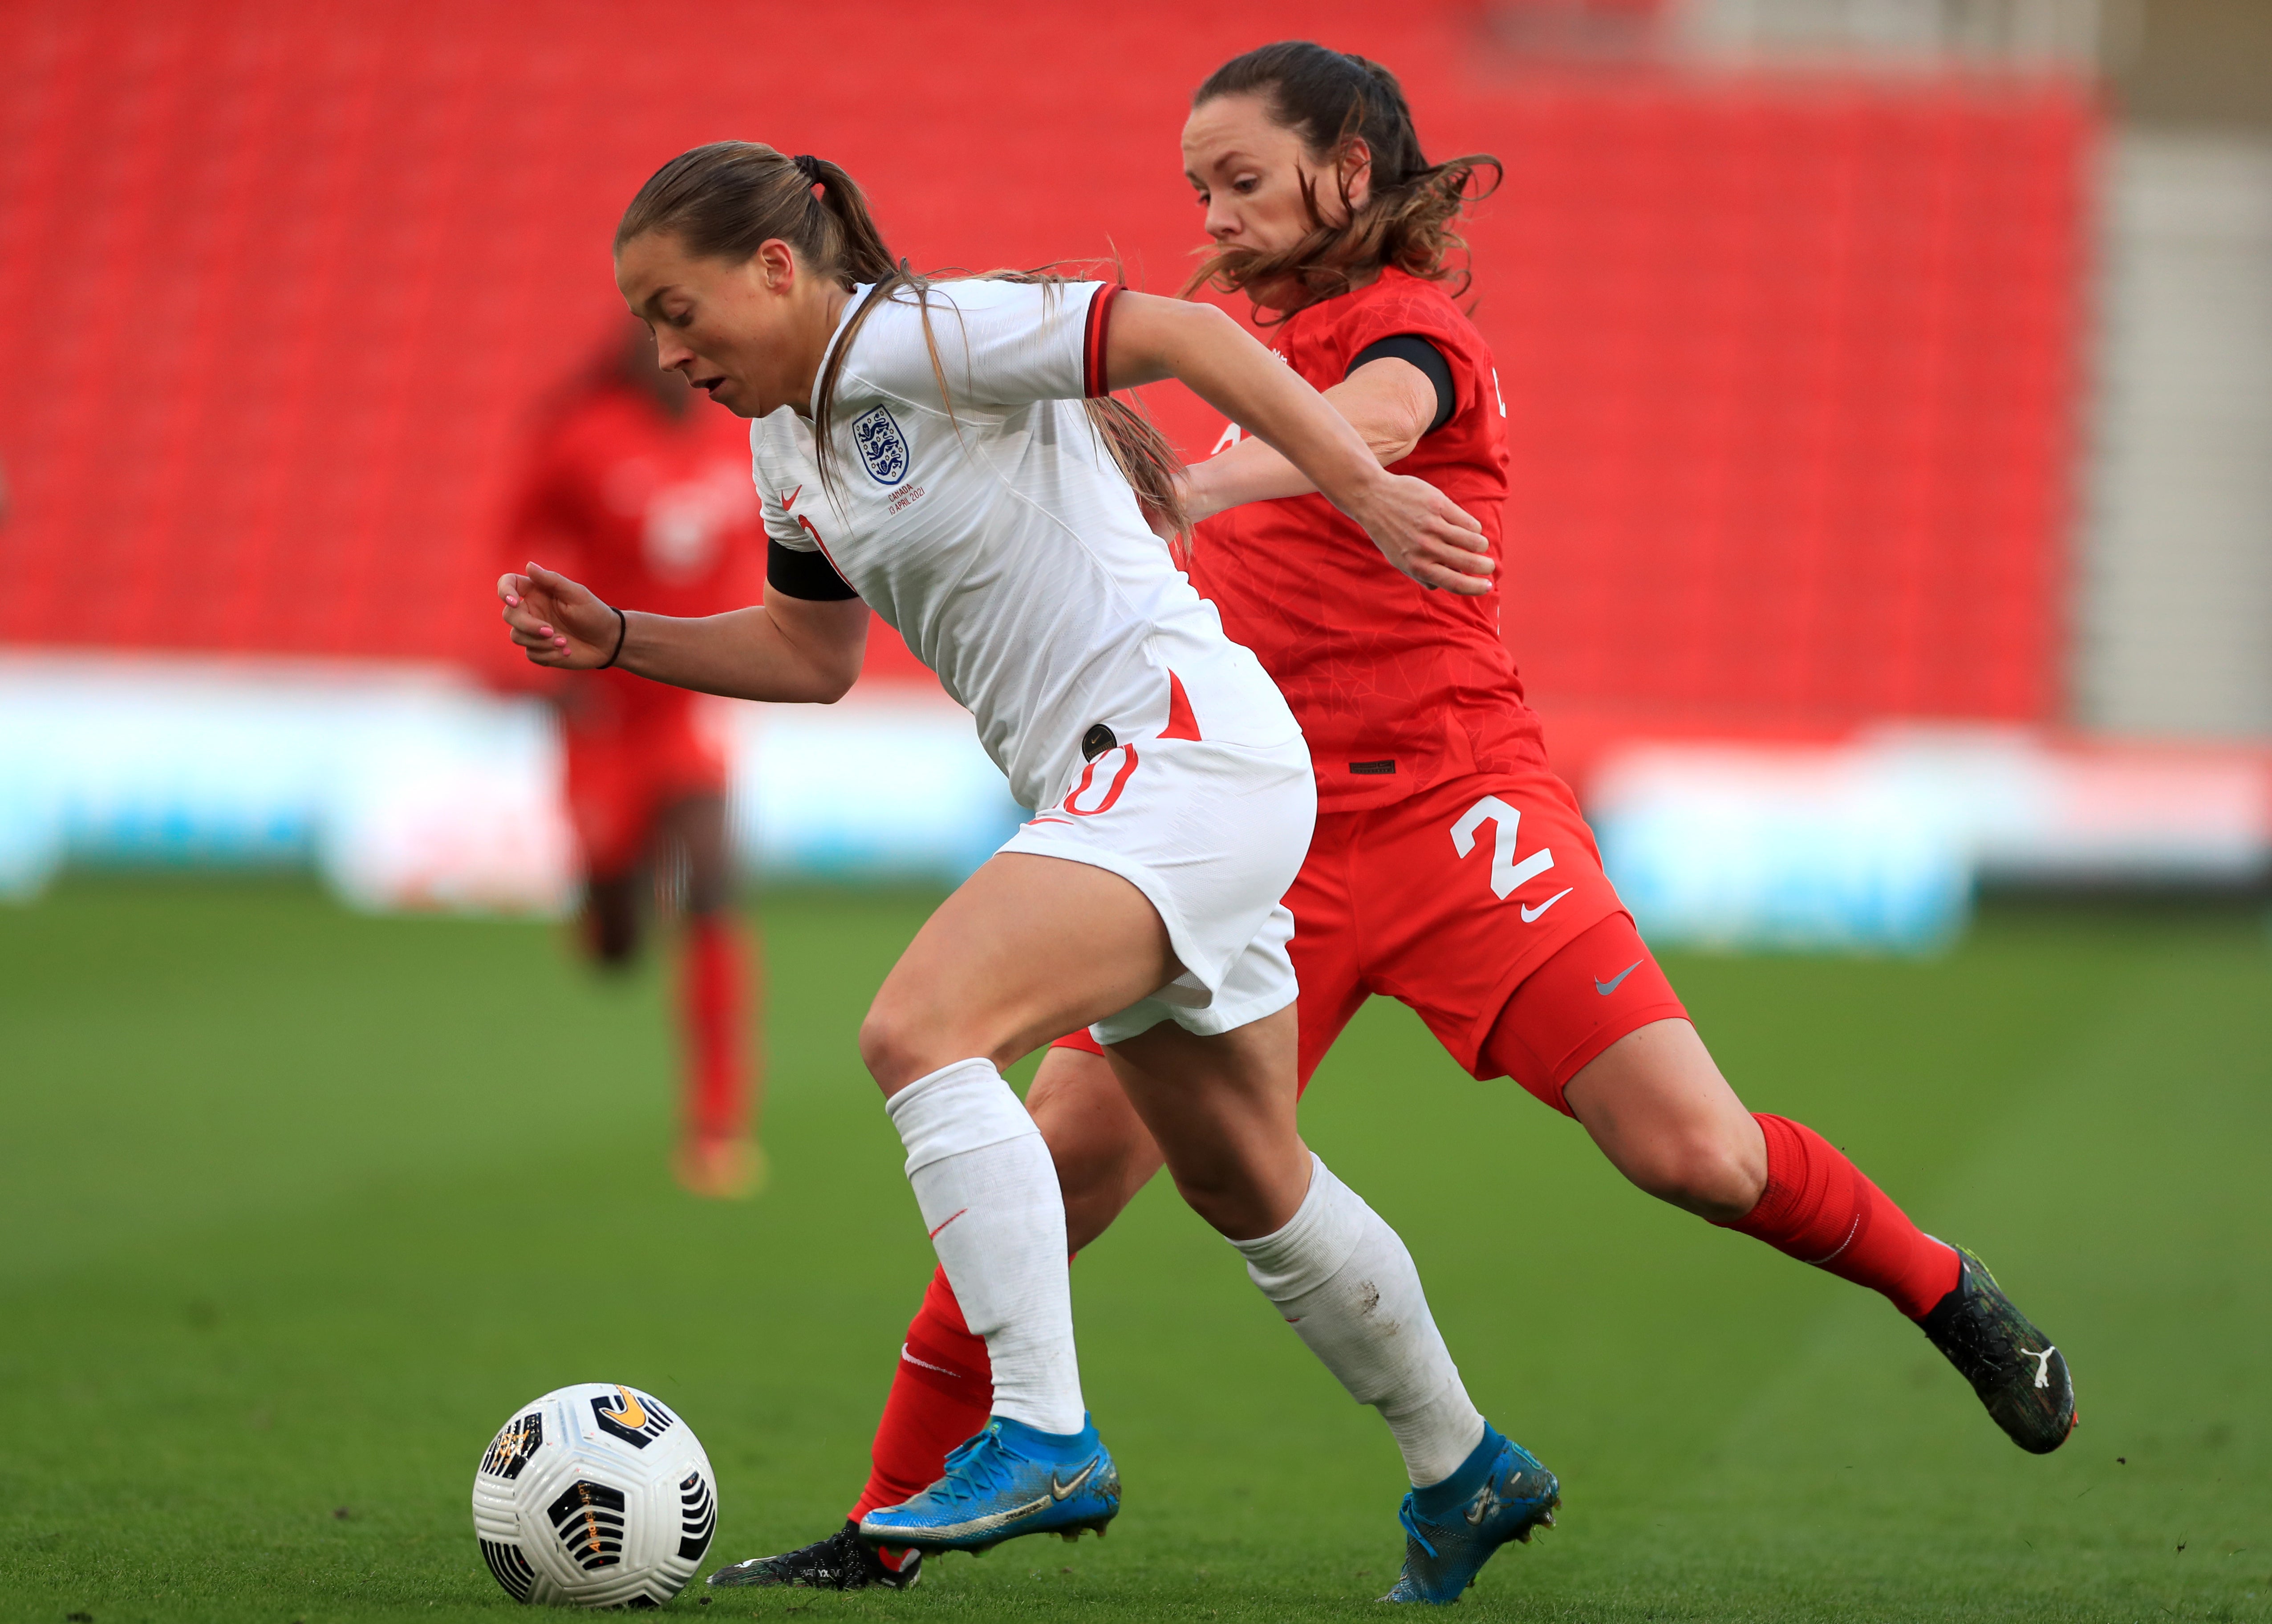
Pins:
x: 643, y: 490
x: 1450, y: 869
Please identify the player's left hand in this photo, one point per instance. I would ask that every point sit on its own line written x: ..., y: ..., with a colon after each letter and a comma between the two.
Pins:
x: 1425, y: 534
x: 557, y: 622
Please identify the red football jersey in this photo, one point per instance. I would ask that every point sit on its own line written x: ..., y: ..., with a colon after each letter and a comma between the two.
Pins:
x: 1396, y: 686
x: 648, y: 510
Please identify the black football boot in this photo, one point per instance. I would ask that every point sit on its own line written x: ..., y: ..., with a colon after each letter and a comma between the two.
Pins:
x: 2018, y: 1374
x: 840, y: 1562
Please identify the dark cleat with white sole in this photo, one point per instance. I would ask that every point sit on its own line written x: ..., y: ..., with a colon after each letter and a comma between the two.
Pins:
x: 840, y: 1562
x: 2019, y: 1374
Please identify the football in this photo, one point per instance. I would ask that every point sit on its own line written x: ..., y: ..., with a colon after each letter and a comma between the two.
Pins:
x: 594, y: 1496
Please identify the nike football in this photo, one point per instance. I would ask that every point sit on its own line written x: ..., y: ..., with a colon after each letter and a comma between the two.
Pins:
x: 594, y: 1496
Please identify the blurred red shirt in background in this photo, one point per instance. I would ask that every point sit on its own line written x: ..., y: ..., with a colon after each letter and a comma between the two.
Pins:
x: 640, y: 490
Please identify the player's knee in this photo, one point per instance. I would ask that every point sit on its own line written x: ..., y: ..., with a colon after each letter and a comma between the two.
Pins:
x: 904, y: 1038
x: 1241, y: 1199
x: 1222, y: 1203
x: 887, y: 1046
x: 1703, y: 1170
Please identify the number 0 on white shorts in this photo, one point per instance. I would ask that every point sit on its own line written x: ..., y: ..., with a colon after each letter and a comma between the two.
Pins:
x: 1212, y: 834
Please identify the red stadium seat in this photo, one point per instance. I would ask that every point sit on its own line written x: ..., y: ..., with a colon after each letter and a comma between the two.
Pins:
x: 1790, y: 365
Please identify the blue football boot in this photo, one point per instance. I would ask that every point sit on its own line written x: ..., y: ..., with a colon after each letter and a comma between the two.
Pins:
x: 1011, y: 1480
x: 1451, y: 1528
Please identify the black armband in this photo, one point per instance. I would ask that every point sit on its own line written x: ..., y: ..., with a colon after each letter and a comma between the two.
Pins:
x: 1411, y: 347
x: 808, y: 575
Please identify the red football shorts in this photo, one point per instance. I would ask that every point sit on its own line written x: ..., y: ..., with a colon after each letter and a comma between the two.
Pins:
x: 621, y: 777
x: 1481, y: 904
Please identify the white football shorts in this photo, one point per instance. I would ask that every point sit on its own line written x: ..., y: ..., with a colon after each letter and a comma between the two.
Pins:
x: 1213, y: 834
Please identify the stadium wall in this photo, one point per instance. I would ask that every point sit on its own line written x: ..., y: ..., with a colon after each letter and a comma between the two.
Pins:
x: 1789, y: 363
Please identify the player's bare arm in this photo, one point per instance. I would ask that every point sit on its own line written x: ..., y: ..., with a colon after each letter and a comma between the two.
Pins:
x: 1389, y: 402
x: 785, y: 650
x: 1416, y: 527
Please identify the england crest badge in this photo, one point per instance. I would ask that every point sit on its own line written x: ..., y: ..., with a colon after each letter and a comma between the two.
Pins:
x: 882, y: 447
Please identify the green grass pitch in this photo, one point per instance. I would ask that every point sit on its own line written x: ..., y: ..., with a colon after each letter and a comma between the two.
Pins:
x: 299, y: 1206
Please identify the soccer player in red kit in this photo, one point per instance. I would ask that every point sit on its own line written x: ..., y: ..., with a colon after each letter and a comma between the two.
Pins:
x: 1450, y: 868
x: 644, y: 492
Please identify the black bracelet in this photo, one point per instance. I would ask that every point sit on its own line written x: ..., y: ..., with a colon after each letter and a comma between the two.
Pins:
x: 622, y: 629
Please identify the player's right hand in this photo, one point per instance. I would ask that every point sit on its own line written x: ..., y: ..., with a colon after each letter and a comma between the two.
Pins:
x: 1426, y: 534
x: 556, y: 622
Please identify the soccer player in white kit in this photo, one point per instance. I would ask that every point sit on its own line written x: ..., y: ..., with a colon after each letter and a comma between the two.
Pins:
x: 939, y: 454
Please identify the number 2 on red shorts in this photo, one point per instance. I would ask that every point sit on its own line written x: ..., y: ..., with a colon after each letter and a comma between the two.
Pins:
x: 1506, y: 874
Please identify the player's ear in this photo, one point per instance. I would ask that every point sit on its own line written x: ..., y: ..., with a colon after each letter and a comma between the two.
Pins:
x: 1355, y: 168
x: 775, y: 266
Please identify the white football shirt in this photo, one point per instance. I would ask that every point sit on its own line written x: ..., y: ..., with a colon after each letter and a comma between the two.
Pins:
x: 1000, y: 539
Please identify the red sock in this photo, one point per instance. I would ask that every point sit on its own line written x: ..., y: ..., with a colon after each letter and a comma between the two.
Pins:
x: 714, y: 1020
x: 1818, y: 1207
x: 942, y: 1393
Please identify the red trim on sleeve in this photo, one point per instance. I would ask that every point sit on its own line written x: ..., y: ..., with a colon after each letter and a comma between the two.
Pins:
x: 1181, y: 722
x: 1093, y: 382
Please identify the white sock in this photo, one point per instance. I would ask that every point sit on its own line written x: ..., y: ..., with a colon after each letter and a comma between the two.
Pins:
x: 989, y: 1198
x: 1345, y: 1282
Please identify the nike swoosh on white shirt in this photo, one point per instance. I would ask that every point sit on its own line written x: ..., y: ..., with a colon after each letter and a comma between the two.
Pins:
x: 1531, y: 914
